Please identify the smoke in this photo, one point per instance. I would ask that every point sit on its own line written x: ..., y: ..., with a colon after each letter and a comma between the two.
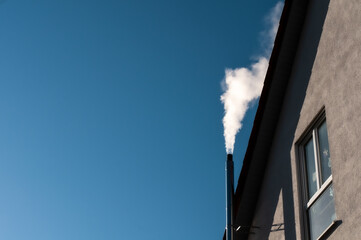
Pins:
x: 244, y: 85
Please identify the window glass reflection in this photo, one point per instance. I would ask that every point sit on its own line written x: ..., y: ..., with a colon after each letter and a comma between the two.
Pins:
x: 322, y: 213
x: 311, y: 171
x: 325, y: 158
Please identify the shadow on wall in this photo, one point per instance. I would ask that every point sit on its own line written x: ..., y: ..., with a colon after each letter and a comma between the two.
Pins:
x: 275, y: 214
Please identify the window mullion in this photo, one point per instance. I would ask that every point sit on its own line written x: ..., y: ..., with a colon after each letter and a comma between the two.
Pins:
x: 315, y: 149
x: 319, y: 192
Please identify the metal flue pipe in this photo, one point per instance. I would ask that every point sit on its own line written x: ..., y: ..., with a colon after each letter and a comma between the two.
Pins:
x: 229, y: 197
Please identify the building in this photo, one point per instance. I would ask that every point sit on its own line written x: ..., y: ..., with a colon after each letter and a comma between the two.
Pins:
x: 301, y: 175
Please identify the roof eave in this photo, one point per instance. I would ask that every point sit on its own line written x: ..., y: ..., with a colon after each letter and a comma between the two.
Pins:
x: 265, y: 122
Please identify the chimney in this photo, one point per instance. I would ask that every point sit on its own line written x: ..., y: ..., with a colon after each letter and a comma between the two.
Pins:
x: 229, y: 197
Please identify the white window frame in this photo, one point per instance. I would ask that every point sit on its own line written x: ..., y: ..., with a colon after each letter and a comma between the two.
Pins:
x: 311, y: 133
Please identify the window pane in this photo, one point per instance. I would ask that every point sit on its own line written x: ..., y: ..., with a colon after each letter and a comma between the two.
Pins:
x: 322, y: 213
x: 310, y: 168
x: 324, y: 152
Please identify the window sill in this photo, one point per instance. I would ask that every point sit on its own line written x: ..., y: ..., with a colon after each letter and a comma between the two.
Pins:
x: 325, y: 234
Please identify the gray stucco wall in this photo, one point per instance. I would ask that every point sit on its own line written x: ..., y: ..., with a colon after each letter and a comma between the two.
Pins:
x: 326, y: 73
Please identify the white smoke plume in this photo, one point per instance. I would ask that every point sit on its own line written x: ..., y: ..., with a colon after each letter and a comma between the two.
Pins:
x: 244, y: 85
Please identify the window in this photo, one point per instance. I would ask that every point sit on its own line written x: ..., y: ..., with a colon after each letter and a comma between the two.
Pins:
x: 315, y: 163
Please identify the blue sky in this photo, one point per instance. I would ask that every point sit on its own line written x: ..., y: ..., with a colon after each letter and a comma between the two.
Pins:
x: 110, y: 118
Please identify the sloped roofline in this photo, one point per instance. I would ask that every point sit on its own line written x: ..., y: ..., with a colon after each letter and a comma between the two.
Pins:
x: 269, y: 107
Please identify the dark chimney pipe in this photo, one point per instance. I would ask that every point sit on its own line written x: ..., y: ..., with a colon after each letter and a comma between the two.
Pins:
x: 229, y: 197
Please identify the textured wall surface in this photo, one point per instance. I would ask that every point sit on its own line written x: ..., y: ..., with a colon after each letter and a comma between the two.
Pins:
x: 326, y: 73
x: 336, y: 83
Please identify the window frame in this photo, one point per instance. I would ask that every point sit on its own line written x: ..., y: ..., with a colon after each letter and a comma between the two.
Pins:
x: 311, y: 133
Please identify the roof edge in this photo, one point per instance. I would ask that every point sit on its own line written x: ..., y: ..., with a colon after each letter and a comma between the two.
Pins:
x: 290, y: 12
